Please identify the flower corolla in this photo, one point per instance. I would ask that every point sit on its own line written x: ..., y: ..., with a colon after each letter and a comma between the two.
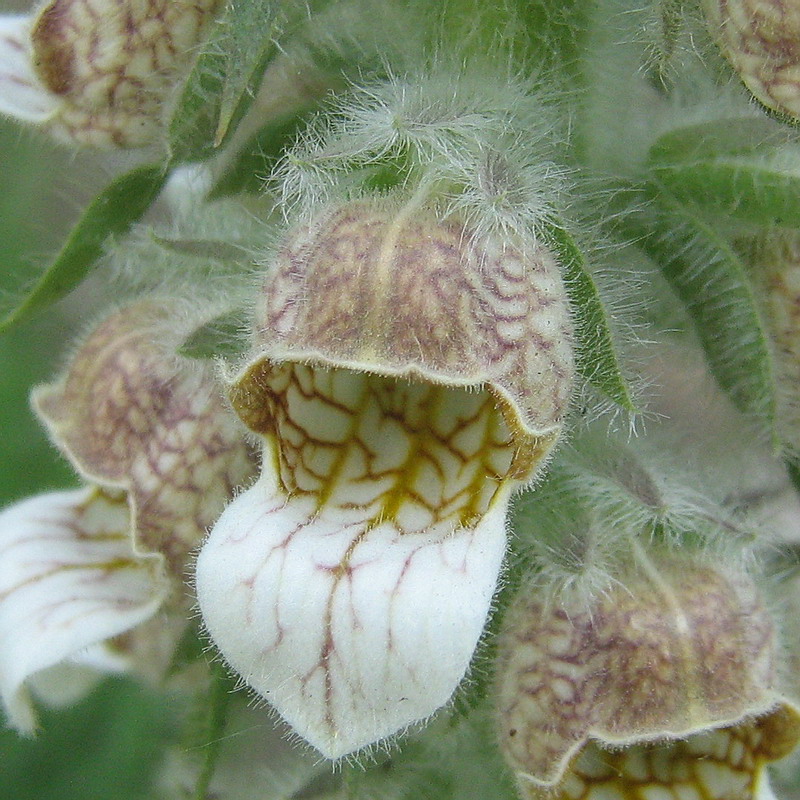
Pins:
x: 95, y: 575
x: 98, y: 72
x: 666, y: 685
x: 408, y: 375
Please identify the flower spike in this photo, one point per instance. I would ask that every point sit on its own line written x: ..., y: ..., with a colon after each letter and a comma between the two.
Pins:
x: 408, y: 376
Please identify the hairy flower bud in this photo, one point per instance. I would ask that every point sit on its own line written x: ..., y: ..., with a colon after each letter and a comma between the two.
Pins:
x: 761, y: 39
x: 97, y: 72
x: 407, y: 377
x: 676, y: 663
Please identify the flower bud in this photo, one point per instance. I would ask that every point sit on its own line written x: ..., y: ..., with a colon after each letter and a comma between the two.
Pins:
x: 97, y: 72
x: 407, y: 377
x: 761, y: 39
x: 676, y: 663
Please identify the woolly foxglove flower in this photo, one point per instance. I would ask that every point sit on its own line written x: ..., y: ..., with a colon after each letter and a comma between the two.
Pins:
x: 666, y: 685
x: 408, y: 376
x: 160, y: 453
x: 98, y: 71
x: 761, y: 39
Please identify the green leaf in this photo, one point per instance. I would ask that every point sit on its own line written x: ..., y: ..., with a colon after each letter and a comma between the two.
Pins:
x: 546, y: 35
x: 711, y: 281
x: 258, y: 157
x: 708, y: 140
x: 745, y: 169
x: 194, y: 121
x: 254, y: 28
x: 223, y: 335
x: 206, y: 249
x: 596, y: 356
x: 226, y: 77
x: 111, y: 213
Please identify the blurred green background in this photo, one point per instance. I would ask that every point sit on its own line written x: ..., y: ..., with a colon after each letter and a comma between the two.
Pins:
x: 107, y: 747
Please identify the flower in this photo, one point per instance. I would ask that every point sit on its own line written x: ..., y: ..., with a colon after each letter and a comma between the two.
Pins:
x: 97, y: 72
x: 83, y: 573
x: 408, y: 376
x: 667, y: 685
x: 761, y: 39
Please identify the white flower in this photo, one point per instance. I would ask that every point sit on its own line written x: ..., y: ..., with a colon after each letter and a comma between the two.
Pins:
x: 97, y: 72
x: 407, y: 377
x: 148, y: 431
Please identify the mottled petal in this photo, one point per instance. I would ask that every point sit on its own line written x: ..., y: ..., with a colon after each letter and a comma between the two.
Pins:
x: 351, y: 632
x: 69, y: 579
x: 112, y: 63
x: 668, y: 680
x: 761, y: 39
x: 399, y: 292
x: 22, y: 94
x: 131, y: 413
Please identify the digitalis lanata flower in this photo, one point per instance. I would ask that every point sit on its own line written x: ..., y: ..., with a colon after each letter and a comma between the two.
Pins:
x: 408, y: 376
x: 98, y: 72
x: 665, y: 686
x: 160, y: 453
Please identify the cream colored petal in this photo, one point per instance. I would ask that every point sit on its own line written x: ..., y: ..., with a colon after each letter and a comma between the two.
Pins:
x: 350, y: 632
x: 22, y: 94
x: 350, y: 585
x: 69, y: 579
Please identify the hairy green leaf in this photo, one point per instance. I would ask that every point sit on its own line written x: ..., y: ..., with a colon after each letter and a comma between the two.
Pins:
x: 226, y: 77
x: 596, y: 357
x: 743, y: 168
x: 755, y: 191
x: 112, y: 212
x: 193, y: 123
x: 258, y: 158
x: 710, y: 279
x: 223, y: 335
x: 708, y: 140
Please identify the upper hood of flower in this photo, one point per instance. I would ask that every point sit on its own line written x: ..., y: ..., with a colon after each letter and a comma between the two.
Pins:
x: 678, y: 648
x: 131, y: 413
x: 396, y: 291
x: 761, y: 39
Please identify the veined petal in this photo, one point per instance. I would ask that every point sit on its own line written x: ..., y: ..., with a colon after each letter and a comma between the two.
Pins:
x: 350, y: 585
x: 131, y: 413
x: 351, y: 632
x: 409, y: 375
x: 722, y: 764
x: 22, y: 94
x: 69, y: 579
x: 665, y: 686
